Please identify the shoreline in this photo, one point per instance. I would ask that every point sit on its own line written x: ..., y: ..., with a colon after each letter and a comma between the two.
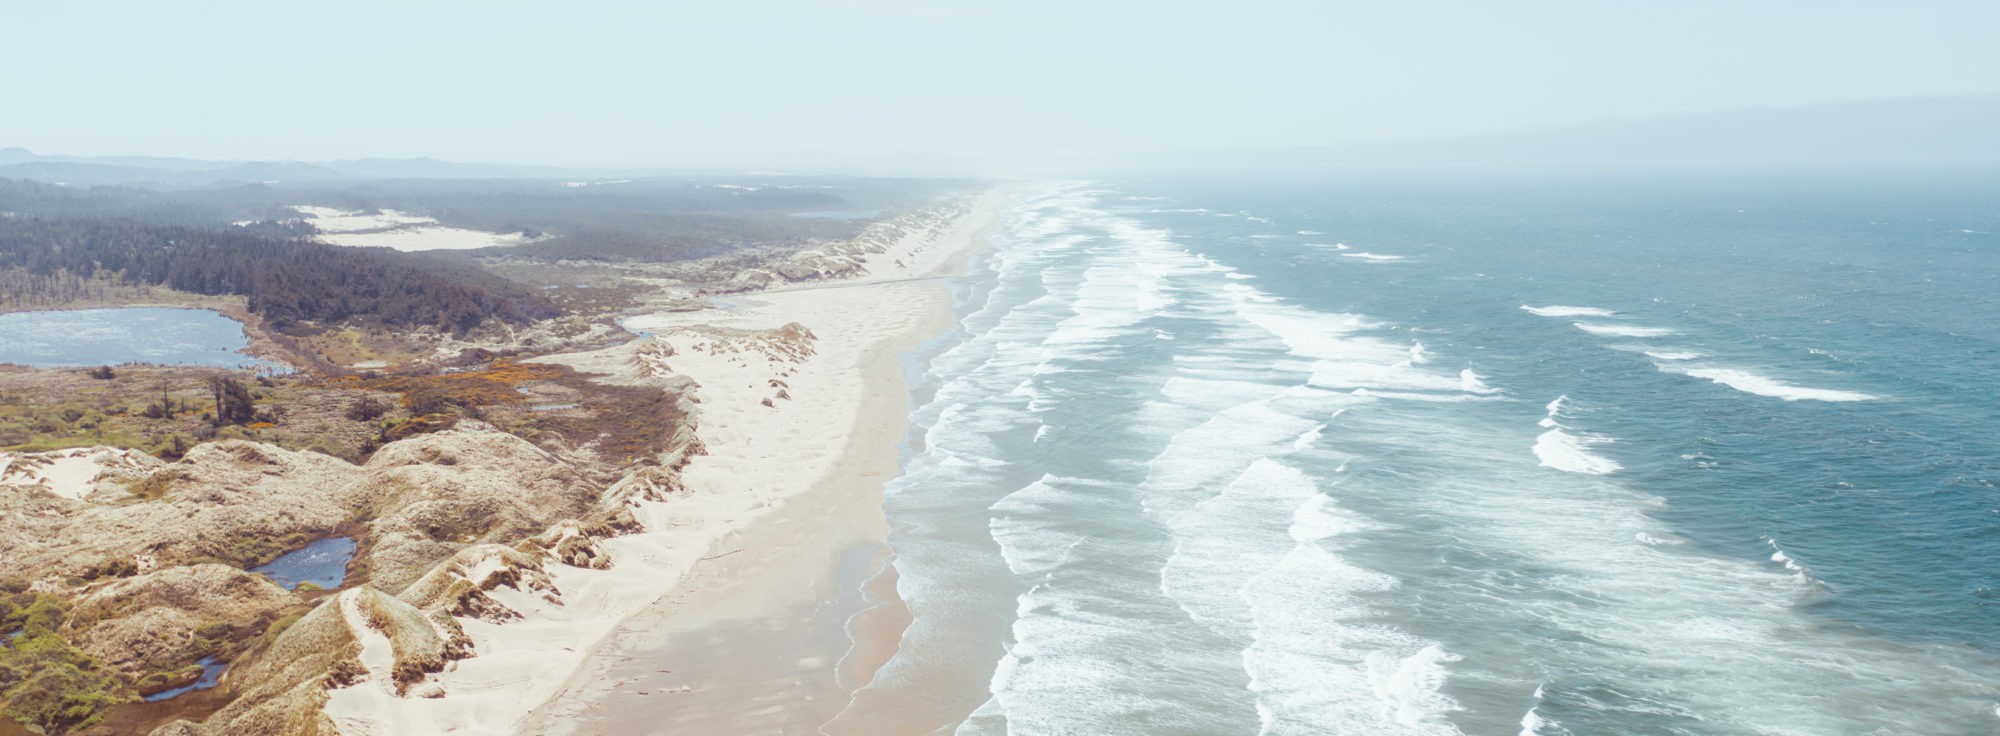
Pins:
x: 791, y: 614
x: 803, y: 405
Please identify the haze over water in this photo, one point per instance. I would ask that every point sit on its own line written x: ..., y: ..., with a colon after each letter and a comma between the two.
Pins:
x: 1689, y: 456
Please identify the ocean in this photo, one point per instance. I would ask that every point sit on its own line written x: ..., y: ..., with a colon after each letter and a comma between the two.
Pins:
x: 1676, y: 454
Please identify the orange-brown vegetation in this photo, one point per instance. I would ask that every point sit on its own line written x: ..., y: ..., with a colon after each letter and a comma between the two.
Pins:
x: 603, y: 426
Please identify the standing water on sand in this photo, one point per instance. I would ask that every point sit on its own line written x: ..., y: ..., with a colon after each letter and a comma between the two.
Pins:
x: 211, y: 675
x: 322, y: 563
x: 1187, y: 469
x: 87, y: 337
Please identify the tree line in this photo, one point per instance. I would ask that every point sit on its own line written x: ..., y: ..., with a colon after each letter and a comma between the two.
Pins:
x: 287, y: 280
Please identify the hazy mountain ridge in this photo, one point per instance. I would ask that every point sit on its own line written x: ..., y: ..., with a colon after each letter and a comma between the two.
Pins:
x: 1913, y: 131
x: 21, y: 163
x: 1917, y: 131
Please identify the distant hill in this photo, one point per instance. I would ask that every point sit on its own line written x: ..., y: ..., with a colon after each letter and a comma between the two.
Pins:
x: 1961, y: 131
x: 430, y: 168
x: 1951, y: 131
x: 95, y: 172
x: 162, y: 171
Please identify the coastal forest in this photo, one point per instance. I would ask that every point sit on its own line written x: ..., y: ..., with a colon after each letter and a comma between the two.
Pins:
x: 287, y: 280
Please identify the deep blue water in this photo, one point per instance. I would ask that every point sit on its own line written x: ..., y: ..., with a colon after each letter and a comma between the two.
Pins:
x: 1672, y: 455
x: 322, y: 563
x: 88, y: 337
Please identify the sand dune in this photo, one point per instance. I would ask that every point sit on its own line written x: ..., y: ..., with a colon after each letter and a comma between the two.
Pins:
x: 802, y: 405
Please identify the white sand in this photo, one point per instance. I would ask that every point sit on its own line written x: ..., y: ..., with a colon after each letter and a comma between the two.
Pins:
x: 776, y: 467
x: 71, y: 474
x: 399, y: 230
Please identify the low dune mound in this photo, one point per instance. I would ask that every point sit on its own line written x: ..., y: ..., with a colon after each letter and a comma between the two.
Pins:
x: 401, y: 646
x: 74, y: 474
x: 790, y: 343
x: 228, y: 501
x: 163, y: 621
x: 440, y: 493
x: 285, y: 685
x: 362, y: 641
x: 243, y: 503
x: 891, y: 241
x: 470, y: 583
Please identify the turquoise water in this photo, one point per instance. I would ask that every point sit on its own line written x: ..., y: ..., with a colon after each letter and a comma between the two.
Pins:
x: 322, y: 563
x: 89, y: 337
x: 1537, y: 457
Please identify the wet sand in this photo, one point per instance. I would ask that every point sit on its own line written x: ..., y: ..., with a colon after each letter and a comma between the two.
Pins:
x: 787, y: 617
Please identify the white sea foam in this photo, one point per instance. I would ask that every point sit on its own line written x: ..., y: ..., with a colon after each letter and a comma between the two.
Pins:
x: 1377, y: 257
x: 1438, y: 398
x: 1797, y: 568
x: 1637, y: 610
x: 1752, y: 383
x: 1417, y: 354
x: 1203, y: 457
x: 1307, y: 438
x: 1314, y: 673
x: 1473, y: 383
x: 1532, y: 722
x: 1028, y: 545
x: 1227, y: 535
x: 1673, y: 355
x: 1563, y: 451
x: 1555, y: 310
x: 1623, y: 330
x: 1311, y: 232
x: 1557, y: 448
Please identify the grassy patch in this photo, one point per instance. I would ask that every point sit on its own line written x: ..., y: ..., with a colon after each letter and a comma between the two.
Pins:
x: 45, y: 681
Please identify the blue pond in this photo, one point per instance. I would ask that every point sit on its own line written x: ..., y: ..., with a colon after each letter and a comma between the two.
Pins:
x: 322, y: 563
x: 86, y: 337
x: 211, y: 673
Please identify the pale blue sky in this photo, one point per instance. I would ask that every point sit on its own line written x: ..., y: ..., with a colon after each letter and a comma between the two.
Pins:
x: 886, y: 83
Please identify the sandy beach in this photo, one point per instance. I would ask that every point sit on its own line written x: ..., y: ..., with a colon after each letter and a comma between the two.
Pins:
x: 726, y: 614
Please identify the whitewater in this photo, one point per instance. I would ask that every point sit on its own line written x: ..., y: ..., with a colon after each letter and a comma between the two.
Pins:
x: 1173, y: 476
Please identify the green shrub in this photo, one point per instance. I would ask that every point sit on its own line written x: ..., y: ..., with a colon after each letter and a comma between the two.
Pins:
x: 44, y: 680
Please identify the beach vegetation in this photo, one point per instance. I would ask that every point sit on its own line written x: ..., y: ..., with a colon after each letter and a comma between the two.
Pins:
x: 45, y: 681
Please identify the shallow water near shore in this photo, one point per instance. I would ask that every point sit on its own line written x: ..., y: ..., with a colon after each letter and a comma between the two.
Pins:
x: 114, y: 336
x: 1673, y: 457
